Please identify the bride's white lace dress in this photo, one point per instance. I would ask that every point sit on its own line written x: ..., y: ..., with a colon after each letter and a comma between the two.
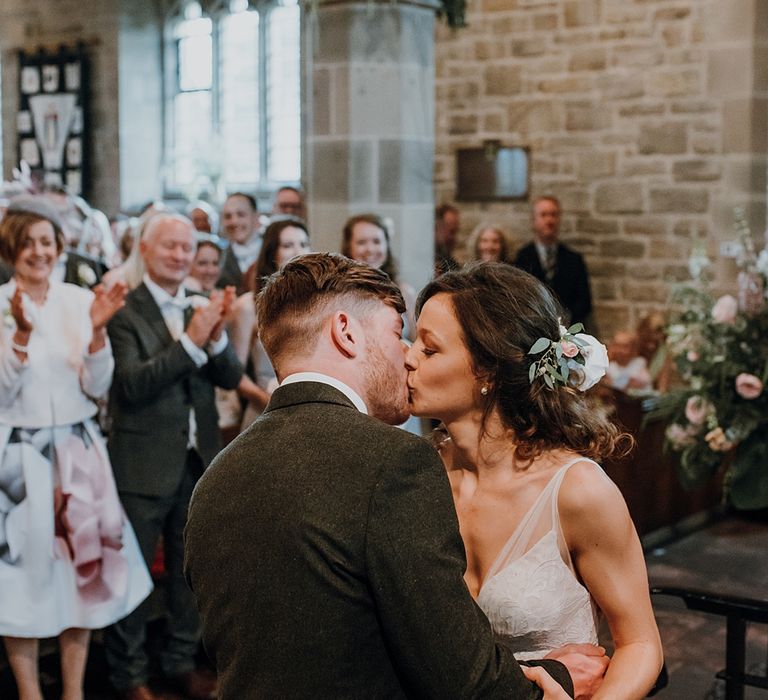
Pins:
x: 531, y: 593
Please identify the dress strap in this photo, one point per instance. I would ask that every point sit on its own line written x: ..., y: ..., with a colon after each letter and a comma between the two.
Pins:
x: 541, y: 518
x: 554, y: 485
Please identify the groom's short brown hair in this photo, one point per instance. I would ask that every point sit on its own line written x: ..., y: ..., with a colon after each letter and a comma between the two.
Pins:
x: 295, y: 301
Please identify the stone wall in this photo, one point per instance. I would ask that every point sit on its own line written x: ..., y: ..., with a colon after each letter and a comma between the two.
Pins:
x: 646, y: 117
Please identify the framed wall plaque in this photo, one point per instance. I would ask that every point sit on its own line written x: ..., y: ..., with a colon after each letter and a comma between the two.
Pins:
x: 52, y: 124
x: 492, y: 173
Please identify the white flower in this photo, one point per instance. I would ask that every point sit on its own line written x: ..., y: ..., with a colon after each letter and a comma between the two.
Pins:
x: 86, y: 275
x: 725, y: 309
x: 762, y: 262
x: 697, y: 263
x: 596, y: 361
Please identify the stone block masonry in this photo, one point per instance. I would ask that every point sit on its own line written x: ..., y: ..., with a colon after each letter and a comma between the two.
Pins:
x: 647, y: 118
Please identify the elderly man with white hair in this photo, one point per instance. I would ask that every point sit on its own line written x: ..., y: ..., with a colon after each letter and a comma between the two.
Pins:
x: 171, y: 351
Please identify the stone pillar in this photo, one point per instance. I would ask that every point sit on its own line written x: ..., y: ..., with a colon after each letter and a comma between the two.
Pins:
x: 370, y: 123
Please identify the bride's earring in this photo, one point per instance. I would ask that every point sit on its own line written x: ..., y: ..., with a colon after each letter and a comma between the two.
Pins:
x: 484, y: 391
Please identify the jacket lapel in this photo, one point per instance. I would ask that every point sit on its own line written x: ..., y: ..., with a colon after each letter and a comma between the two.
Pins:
x: 149, y: 312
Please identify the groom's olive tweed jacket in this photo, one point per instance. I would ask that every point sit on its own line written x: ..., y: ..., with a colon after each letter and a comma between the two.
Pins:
x: 324, y: 551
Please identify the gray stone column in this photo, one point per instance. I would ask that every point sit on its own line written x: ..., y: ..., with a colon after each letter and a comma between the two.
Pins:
x: 370, y: 123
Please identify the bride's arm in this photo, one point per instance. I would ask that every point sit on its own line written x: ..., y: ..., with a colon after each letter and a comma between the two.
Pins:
x: 607, y: 555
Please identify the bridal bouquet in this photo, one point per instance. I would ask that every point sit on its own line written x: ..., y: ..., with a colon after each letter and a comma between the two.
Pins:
x: 720, y: 347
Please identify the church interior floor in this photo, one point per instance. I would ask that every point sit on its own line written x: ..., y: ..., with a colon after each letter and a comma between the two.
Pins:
x: 728, y: 556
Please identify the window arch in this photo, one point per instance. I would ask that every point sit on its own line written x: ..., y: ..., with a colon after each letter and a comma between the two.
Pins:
x: 233, y: 107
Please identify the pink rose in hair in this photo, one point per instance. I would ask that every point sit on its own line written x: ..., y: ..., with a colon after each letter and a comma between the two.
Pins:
x: 748, y: 386
x: 724, y: 310
x: 697, y: 409
x: 569, y: 349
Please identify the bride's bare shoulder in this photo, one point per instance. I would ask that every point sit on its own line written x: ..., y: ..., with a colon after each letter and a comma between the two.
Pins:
x: 588, y: 497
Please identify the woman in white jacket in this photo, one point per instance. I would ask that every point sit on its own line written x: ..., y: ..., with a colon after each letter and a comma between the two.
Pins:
x: 69, y: 562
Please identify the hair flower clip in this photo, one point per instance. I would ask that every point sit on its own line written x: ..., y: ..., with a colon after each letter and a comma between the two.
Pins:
x: 575, y: 359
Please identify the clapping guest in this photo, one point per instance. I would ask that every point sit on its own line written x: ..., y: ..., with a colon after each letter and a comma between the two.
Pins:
x: 206, y: 267
x: 131, y: 271
x: 205, y: 272
x: 71, y: 266
x: 365, y: 238
x: 285, y: 238
x: 488, y: 243
x: 70, y: 562
x: 170, y: 352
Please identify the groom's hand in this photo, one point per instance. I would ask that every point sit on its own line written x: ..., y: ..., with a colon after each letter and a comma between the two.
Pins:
x: 586, y: 664
x: 552, y: 689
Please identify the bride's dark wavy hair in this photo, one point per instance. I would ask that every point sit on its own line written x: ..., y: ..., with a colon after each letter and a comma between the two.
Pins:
x: 502, y: 312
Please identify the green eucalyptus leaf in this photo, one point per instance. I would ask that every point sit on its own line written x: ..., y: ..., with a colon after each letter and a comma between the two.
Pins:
x: 548, y: 380
x: 532, y: 372
x: 539, y: 346
x: 576, y: 328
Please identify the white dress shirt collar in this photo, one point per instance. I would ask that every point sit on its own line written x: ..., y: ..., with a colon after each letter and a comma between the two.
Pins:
x: 160, y: 296
x: 345, y: 389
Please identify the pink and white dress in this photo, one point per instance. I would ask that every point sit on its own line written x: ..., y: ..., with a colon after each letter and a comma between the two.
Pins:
x: 68, y: 556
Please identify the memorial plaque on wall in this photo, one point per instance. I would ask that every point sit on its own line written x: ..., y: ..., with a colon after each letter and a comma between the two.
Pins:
x: 51, y: 124
x: 492, y: 173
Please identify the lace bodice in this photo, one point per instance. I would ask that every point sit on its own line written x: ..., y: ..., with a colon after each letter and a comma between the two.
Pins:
x: 531, y: 593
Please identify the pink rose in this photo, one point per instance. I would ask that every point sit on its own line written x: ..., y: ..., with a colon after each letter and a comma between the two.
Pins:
x: 748, y: 386
x: 569, y: 349
x: 692, y: 356
x: 679, y: 436
x: 697, y: 409
x: 724, y: 310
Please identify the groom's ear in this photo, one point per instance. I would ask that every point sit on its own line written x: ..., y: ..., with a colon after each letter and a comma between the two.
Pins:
x: 346, y: 334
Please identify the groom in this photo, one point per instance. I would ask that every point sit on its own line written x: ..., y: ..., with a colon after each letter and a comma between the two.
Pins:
x: 322, y: 545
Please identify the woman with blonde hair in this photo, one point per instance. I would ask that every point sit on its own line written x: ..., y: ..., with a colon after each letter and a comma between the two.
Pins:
x: 488, y: 243
x: 69, y: 560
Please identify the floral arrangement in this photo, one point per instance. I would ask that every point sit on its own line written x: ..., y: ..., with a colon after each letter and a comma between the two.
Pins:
x: 575, y: 359
x: 720, y: 347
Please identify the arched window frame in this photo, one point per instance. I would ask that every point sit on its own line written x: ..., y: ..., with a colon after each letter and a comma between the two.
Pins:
x: 210, y: 170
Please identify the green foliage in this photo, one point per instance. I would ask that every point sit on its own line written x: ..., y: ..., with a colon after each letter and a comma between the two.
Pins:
x: 720, y: 349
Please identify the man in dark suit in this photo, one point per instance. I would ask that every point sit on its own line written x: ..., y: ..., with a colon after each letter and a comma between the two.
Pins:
x: 555, y: 264
x: 322, y: 544
x: 6, y: 272
x: 168, y: 359
x: 240, y: 224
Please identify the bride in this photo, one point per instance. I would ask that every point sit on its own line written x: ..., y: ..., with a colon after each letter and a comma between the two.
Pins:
x: 548, y: 537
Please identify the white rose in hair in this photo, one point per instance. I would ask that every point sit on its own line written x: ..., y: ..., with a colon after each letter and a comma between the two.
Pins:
x: 595, y: 361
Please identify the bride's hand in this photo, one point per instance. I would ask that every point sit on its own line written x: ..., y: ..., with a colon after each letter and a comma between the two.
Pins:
x: 586, y: 664
x: 552, y: 689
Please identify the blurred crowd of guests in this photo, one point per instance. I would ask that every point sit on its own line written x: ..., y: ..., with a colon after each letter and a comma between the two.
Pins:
x: 157, y: 312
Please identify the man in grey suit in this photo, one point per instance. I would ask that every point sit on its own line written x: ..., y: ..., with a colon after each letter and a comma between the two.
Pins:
x: 322, y: 544
x: 168, y: 359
